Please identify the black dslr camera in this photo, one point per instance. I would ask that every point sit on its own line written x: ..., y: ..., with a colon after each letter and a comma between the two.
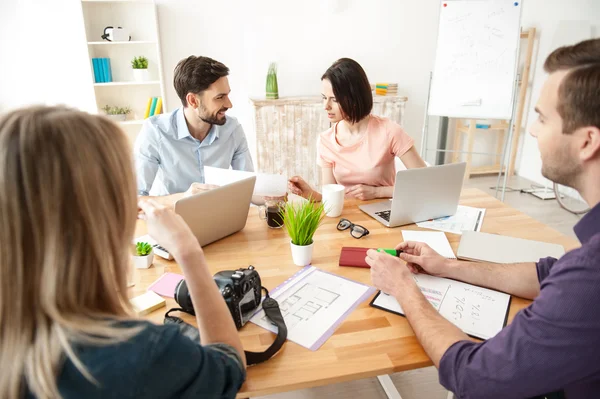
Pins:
x: 240, y: 288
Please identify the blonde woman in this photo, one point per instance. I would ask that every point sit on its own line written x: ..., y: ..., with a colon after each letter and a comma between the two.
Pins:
x: 67, y: 217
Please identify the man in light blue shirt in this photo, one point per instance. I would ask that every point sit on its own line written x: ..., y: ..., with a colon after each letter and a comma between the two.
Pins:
x: 172, y: 149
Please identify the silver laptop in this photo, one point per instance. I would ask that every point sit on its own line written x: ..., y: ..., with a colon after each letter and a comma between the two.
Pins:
x: 219, y: 212
x: 420, y: 194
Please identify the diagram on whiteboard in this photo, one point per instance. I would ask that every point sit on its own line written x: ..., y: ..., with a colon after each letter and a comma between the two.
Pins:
x: 312, y: 304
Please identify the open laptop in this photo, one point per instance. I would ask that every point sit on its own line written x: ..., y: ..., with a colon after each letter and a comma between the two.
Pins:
x: 420, y: 194
x: 219, y: 212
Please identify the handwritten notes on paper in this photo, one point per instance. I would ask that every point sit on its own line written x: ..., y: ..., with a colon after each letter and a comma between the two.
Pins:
x: 479, y: 312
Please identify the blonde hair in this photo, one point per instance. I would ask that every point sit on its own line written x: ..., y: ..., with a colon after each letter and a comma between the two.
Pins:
x: 67, y: 218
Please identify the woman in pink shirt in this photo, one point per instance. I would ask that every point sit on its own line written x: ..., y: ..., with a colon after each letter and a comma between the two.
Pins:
x: 359, y: 149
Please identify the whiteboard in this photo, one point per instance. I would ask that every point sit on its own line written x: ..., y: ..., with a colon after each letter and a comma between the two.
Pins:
x: 476, y: 59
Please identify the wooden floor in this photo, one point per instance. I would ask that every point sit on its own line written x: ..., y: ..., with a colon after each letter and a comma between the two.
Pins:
x: 423, y: 383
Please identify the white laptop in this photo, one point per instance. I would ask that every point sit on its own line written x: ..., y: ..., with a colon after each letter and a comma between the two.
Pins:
x: 219, y: 212
x: 420, y: 194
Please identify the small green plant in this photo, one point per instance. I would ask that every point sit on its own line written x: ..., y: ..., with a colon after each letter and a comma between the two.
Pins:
x: 140, y: 62
x: 143, y: 248
x: 301, y: 220
x: 116, y: 110
x: 272, y: 89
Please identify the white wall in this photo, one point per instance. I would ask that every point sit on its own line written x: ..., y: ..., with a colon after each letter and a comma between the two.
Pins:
x: 394, y: 40
x: 43, y: 55
x: 558, y: 23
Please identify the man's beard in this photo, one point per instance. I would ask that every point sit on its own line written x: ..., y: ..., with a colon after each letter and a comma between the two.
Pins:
x: 563, y: 170
x: 211, y: 119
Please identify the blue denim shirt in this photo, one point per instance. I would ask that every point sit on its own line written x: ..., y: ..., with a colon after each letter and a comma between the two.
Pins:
x: 552, y: 345
x: 168, y: 159
x: 159, y: 362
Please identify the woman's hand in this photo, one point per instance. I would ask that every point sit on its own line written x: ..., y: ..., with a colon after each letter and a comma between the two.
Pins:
x: 298, y: 186
x: 168, y: 228
x: 362, y: 192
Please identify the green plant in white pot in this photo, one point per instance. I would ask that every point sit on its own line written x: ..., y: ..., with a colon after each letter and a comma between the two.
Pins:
x: 140, y: 69
x: 143, y: 255
x: 116, y: 113
x: 301, y: 220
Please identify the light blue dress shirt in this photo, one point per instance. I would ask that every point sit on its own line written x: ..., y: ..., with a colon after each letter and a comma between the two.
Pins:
x: 168, y: 159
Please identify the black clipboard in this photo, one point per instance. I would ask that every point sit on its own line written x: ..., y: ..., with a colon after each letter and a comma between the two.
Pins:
x: 372, y: 304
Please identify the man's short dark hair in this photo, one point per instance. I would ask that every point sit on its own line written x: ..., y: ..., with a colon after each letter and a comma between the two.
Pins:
x: 578, y: 98
x: 195, y: 74
x: 351, y: 88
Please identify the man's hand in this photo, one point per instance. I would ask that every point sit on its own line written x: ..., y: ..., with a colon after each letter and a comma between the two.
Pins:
x: 362, y: 192
x: 196, y: 188
x: 419, y: 258
x: 388, y: 273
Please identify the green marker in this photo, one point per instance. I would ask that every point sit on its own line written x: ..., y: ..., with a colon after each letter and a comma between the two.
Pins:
x: 393, y: 252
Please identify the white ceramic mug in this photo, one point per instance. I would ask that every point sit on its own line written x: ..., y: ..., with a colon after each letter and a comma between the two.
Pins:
x: 333, y: 199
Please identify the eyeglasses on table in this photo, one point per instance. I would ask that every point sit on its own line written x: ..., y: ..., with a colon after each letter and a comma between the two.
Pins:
x: 356, y: 231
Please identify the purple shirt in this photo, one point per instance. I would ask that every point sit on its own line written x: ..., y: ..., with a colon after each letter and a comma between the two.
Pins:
x: 552, y: 345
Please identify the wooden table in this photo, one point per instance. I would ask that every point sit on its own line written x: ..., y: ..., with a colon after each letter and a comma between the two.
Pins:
x: 370, y: 342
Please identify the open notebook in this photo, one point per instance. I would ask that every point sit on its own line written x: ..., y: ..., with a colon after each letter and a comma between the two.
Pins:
x: 435, y: 239
x: 479, y: 312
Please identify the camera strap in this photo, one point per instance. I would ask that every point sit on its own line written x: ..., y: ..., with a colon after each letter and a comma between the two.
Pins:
x: 273, y: 313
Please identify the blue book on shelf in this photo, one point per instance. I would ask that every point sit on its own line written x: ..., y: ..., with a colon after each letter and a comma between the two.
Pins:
x: 105, y: 70
x: 108, y: 70
x: 96, y: 71
x: 153, y: 106
x: 101, y: 70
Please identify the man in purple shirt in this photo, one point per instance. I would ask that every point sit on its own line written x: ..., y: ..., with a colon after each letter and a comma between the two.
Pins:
x: 552, y: 348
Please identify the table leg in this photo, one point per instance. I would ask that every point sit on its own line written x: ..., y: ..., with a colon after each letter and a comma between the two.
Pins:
x: 388, y: 386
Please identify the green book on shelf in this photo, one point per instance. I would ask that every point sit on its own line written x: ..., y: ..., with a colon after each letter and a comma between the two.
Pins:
x: 153, y: 106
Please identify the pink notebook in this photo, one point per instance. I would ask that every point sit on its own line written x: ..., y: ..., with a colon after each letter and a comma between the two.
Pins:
x: 165, y: 285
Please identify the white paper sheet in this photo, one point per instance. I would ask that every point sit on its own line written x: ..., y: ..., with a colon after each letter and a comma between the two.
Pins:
x: 435, y: 239
x: 477, y: 311
x: 465, y: 218
x: 313, y: 303
x: 266, y: 184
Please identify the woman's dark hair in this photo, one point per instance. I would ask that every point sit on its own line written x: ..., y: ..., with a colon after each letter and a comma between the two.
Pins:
x: 195, y: 74
x: 351, y: 88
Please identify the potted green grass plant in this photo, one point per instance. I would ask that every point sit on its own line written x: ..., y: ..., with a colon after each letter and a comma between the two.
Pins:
x: 272, y: 89
x: 116, y: 113
x: 143, y: 255
x: 301, y: 220
x: 139, y: 66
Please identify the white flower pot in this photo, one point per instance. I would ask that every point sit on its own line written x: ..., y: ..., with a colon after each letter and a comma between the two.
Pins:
x: 143, y: 262
x: 302, y: 254
x: 117, y: 117
x: 141, y: 75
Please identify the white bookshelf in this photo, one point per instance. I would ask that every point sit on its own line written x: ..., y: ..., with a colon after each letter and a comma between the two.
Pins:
x: 139, y: 17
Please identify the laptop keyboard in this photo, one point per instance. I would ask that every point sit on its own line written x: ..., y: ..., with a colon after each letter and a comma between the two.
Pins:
x: 385, y: 215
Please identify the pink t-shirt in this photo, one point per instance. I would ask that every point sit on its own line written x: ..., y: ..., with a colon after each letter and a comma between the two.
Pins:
x: 370, y: 161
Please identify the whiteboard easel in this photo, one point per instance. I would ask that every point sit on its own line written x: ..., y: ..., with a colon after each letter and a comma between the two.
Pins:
x: 475, y: 72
